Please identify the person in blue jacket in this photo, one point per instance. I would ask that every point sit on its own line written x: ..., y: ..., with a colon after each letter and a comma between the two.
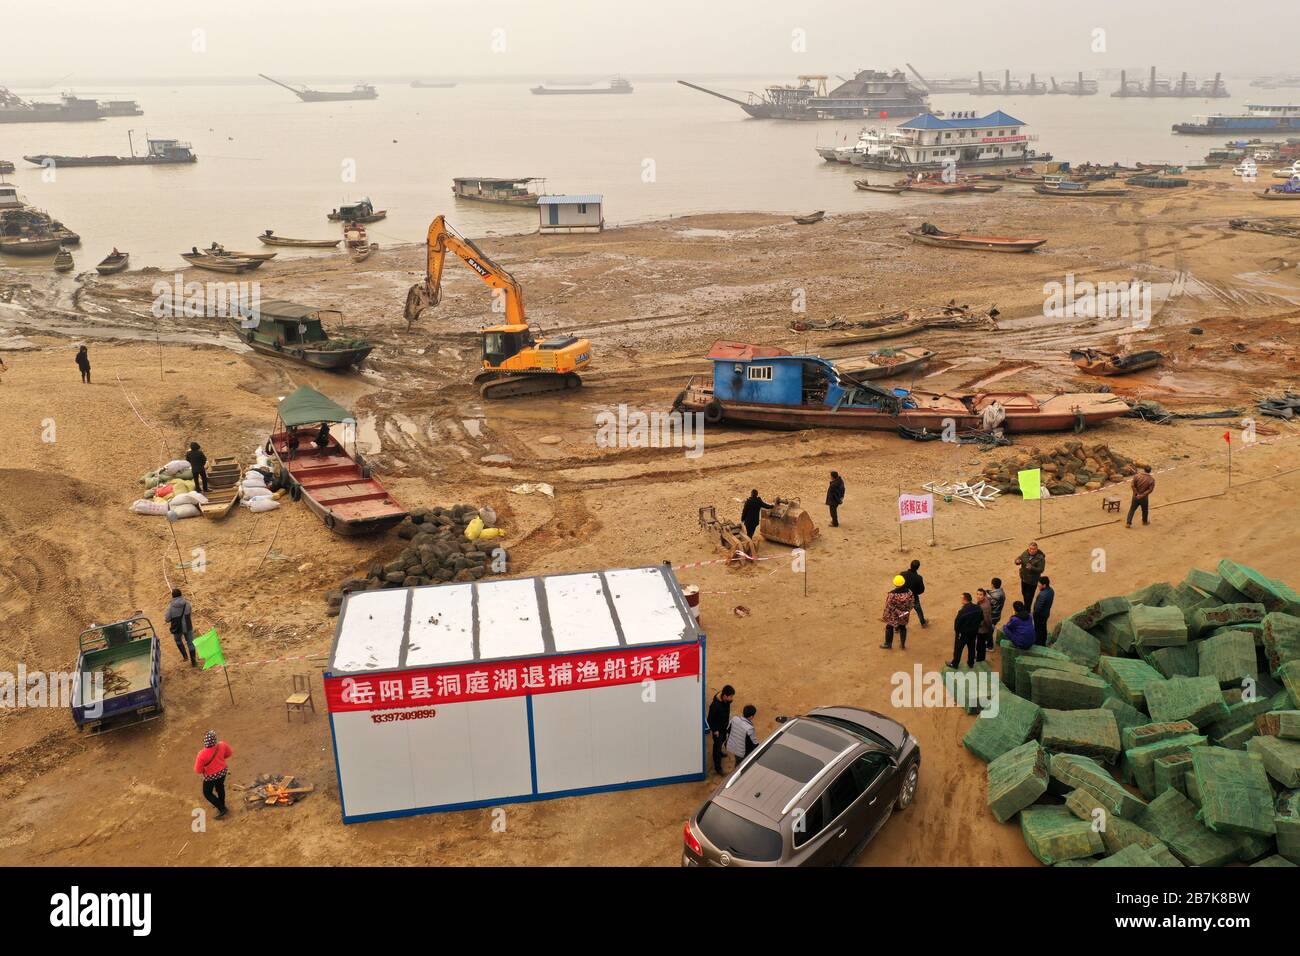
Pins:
x: 1043, y: 608
x: 1019, y: 629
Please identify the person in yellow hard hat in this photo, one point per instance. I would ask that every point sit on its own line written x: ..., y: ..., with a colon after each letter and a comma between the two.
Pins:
x: 898, y: 610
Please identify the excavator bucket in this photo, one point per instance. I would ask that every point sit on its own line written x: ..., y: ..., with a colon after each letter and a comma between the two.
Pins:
x: 787, y: 523
x: 418, y: 298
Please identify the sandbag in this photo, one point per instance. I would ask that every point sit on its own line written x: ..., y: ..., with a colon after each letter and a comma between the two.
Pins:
x: 251, y: 493
x: 174, y: 467
x: 255, y: 476
x: 489, y: 515
x: 186, y: 511
x: 263, y: 504
x: 152, y: 481
x: 487, y: 534
x: 474, y: 528
x: 164, y: 491
x: 188, y: 498
x: 143, y: 507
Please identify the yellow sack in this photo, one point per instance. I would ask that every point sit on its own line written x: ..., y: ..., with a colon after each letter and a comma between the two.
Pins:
x: 487, y: 534
x: 474, y: 528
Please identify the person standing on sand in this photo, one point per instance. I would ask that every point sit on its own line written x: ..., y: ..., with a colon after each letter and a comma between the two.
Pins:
x: 719, y: 718
x: 211, y: 763
x: 752, y: 512
x: 741, y: 737
x: 916, y: 584
x: 1143, y: 484
x: 83, y: 363
x: 898, y: 608
x: 199, y: 466
x: 1032, y: 565
x: 966, y: 626
x: 984, y: 637
x: 1043, y: 609
x: 835, y: 497
x: 997, y: 600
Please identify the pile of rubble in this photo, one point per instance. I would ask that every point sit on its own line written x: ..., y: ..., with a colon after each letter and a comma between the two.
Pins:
x: 460, y: 543
x: 1171, y: 714
x: 1067, y: 468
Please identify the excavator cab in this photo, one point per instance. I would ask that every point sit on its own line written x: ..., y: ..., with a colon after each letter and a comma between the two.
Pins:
x: 504, y: 342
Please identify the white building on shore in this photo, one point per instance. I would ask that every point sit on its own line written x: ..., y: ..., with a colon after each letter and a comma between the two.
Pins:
x: 562, y: 214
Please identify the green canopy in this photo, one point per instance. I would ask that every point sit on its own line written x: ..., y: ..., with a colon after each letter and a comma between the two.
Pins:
x: 307, y: 406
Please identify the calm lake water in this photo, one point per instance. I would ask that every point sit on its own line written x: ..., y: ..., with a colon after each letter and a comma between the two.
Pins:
x: 268, y: 161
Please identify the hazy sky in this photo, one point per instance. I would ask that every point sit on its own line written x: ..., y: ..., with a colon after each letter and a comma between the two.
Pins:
x: 371, y: 38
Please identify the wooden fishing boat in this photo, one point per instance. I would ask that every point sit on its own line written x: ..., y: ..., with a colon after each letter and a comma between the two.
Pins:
x: 1046, y: 189
x: 786, y: 391
x: 226, y: 264
x: 1277, y: 193
x: 884, y: 363
x: 221, y: 252
x: 891, y: 330
x: 939, y: 188
x: 357, y: 243
x: 811, y: 218
x: 224, y: 477
x: 362, y: 253
x: 1097, y: 362
x: 984, y: 187
x: 63, y: 261
x: 334, y: 484
x: 876, y: 187
x: 296, y: 332
x: 929, y: 235
x: 375, y: 216
x: 270, y: 239
x: 113, y: 262
x: 29, y: 245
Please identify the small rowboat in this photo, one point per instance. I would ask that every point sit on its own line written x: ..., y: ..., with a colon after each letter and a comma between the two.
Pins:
x: 220, y: 251
x: 114, y: 262
x: 984, y: 187
x: 876, y: 188
x: 929, y: 235
x: 939, y: 189
x: 1097, y: 362
x: 29, y: 245
x: 891, y: 330
x: 1276, y: 193
x: 1086, y: 193
x: 362, y: 253
x: 884, y: 363
x: 221, y: 264
x: 63, y: 261
x: 270, y: 239
x: 811, y: 218
x: 224, y: 477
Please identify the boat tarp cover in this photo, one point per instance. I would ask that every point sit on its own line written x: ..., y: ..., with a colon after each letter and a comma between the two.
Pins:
x: 307, y: 406
x: 283, y: 309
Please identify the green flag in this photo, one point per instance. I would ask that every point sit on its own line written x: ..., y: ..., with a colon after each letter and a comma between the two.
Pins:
x: 208, y: 647
x: 1031, y: 485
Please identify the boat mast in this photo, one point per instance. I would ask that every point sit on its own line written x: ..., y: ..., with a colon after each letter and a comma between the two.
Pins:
x: 132, y: 142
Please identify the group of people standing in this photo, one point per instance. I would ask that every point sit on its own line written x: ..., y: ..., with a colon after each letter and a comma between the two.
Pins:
x: 731, y: 735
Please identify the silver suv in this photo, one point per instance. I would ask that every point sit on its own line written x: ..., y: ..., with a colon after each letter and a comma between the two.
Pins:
x: 812, y: 794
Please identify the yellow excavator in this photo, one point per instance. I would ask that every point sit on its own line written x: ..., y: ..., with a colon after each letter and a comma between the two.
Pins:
x: 514, y: 364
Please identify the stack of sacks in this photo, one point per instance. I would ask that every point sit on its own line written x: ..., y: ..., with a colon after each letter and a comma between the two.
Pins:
x: 170, y: 489
x: 262, y: 503
x: 254, y: 486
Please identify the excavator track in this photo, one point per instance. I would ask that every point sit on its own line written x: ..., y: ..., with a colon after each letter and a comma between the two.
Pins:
x: 519, y: 386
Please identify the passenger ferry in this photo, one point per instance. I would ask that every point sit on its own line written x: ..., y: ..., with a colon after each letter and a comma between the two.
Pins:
x: 964, y: 139
x: 1258, y: 119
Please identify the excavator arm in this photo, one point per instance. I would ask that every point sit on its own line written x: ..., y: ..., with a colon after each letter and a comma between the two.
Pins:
x: 441, y: 238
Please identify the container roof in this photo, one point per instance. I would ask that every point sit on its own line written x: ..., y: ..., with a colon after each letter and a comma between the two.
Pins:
x: 307, y: 406
x: 446, y: 624
x: 560, y: 200
x: 930, y: 121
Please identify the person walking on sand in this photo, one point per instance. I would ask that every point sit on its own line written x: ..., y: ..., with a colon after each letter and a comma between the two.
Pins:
x: 752, y: 512
x: 211, y: 764
x: 1043, y: 609
x: 835, y: 497
x: 966, y: 627
x: 984, y: 637
x: 180, y: 617
x: 741, y: 737
x: 83, y: 363
x: 898, y: 608
x: 916, y: 584
x: 719, y: 719
x: 1143, y: 484
x: 199, y: 465
x: 1033, y: 563
x: 997, y: 601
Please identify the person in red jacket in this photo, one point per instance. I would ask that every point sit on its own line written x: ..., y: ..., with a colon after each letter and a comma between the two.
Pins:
x: 211, y: 763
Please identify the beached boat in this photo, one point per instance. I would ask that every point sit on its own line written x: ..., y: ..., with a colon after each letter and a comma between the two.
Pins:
x: 362, y: 253
x: 891, y: 330
x: 357, y: 243
x: 983, y: 187
x: 929, y: 235
x: 334, y: 484
x: 811, y: 218
x: 113, y: 262
x: 224, y: 477
x: 63, y: 262
x: 503, y: 190
x: 933, y: 188
x: 884, y: 363
x: 227, y: 264
x: 6, y: 166
x: 1066, y: 192
x: 358, y: 212
x: 876, y: 187
x: 29, y: 245
x: 221, y: 252
x: 1285, y: 191
x: 296, y: 332
x: 768, y: 387
x: 1097, y: 362
x: 271, y: 239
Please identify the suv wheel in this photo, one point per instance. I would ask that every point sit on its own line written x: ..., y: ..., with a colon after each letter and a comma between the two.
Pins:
x: 907, y: 792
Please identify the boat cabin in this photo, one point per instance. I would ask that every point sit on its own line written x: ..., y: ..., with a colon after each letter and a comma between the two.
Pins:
x: 356, y: 210
x: 767, y: 375
x: 564, y: 214
x: 962, y: 138
x: 511, y: 189
x: 281, y: 323
x: 171, y: 150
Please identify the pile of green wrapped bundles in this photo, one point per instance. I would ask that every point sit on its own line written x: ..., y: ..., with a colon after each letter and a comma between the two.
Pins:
x: 1159, y: 728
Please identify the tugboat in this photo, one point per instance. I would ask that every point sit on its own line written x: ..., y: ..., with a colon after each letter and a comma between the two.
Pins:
x: 357, y: 212
x: 870, y: 94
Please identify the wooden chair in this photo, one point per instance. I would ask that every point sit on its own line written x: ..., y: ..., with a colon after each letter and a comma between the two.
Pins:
x: 301, y: 696
x: 1110, y: 503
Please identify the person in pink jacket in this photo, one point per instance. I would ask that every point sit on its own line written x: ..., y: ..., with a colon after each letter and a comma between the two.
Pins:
x: 211, y: 764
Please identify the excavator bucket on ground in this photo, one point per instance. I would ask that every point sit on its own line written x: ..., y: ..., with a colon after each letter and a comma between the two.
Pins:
x: 731, y: 535
x: 787, y: 523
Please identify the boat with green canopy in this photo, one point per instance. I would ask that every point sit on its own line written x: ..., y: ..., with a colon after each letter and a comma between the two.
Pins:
x: 296, y: 332
x: 318, y: 469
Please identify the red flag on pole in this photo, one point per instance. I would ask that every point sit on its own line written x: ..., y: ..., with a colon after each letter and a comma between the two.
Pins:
x: 1227, y: 436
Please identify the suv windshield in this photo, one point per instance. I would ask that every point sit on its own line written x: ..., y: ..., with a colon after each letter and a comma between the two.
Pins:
x: 738, y: 836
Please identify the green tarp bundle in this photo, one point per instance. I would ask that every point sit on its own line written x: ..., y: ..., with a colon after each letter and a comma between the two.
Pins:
x: 1172, y: 818
x: 1289, y: 675
x: 1095, y: 613
x: 1281, y: 639
x: 1160, y: 853
x: 1062, y: 690
x: 1084, y: 773
x: 1054, y: 834
x: 1235, y: 793
x: 1198, y: 699
x: 1281, y: 758
x: 1225, y: 615
x: 1132, y: 855
x: 964, y: 686
x: 1116, y: 832
x: 1077, y: 644
x: 1027, y: 665
x: 1240, y: 713
x: 1153, y: 595
x: 1017, y: 721
x: 1157, y: 627
x: 1116, y: 634
x: 1129, y: 677
x: 1170, y: 772
x: 1234, y: 738
x: 1229, y: 657
x: 1126, y: 715
x: 1016, y: 779
x: 1090, y: 733
x: 1175, y: 661
x: 1274, y: 595
x: 1010, y: 654
x: 1275, y: 860
x: 1150, y: 733
x: 1141, y: 760
x: 1286, y: 819
x: 1280, y: 723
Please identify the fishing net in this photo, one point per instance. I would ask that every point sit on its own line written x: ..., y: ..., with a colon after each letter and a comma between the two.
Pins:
x: 1235, y: 793
x: 1018, y: 720
x: 1095, y: 613
x: 1206, y: 619
x: 1281, y: 639
x: 1157, y: 626
x: 1197, y: 699
x: 1172, y: 818
x: 1280, y: 723
x: 1116, y: 831
x: 1274, y: 595
x: 1289, y: 675
x: 1077, y: 644
x: 1132, y: 855
x: 1129, y: 677
x: 1141, y: 759
x: 1016, y: 779
x: 1089, y: 733
x: 1229, y: 657
x: 1028, y: 665
x: 1170, y: 773
x: 1083, y: 773
x: 1054, y: 834
x: 1062, y: 690
x: 1281, y: 758
x: 1286, y: 820
x: 1175, y: 661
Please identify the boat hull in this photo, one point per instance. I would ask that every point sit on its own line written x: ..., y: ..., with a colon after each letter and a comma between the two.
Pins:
x: 30, y: 247
x: 978, y: 243
x: 331, y: 360
x: 300, y: 243
x: 68, y: 162
x: 334, y: 487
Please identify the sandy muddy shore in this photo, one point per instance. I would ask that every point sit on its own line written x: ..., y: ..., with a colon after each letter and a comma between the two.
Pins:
x: 651, y: 298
